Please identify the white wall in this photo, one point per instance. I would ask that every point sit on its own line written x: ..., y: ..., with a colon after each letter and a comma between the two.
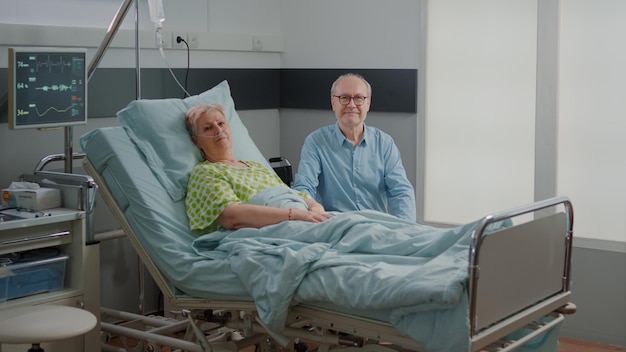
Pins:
x: 350, y: 34
x: 481, y: 111
x: 592, y: 111
x: 234, y: 16
x: 259, y: 17
x: 480, y: 107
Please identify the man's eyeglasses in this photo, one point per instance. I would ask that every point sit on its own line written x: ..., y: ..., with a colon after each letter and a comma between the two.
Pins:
x: 345, y: 100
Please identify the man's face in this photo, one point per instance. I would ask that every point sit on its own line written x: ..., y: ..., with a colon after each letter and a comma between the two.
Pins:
x: 351, y: 114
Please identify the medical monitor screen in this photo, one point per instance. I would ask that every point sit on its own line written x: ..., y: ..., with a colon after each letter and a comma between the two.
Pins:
x: 47, y: 87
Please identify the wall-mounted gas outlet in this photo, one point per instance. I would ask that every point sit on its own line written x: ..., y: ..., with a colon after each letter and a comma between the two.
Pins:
x: 162, y: 39
x: 179, y: 44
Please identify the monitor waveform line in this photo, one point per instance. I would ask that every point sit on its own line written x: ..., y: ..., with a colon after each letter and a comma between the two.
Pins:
x: 52, y: 108
x: 50, y: 64
x: 56, y: 88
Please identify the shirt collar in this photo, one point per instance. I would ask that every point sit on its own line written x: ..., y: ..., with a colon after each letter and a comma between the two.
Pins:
x: 341, y: 138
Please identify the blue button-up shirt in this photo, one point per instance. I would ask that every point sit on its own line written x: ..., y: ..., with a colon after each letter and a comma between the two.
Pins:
x: 345, y: 178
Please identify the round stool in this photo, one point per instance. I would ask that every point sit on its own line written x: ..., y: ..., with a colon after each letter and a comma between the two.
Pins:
x: 43, y: 323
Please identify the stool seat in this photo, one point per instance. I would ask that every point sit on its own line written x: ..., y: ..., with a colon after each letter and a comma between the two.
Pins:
x: 43, y: 323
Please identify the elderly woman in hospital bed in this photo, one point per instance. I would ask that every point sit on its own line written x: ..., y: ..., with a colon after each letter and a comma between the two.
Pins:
x: 220, y: 186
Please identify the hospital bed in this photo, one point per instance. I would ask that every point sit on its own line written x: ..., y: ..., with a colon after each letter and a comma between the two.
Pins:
x: 508, y: 289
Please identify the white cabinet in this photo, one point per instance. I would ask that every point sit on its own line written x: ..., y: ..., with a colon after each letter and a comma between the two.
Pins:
x: 63, y: 230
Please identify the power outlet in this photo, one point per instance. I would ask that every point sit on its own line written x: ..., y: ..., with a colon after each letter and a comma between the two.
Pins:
x: 257, y: 44
x: 193, y: 40
x: 181, y: 44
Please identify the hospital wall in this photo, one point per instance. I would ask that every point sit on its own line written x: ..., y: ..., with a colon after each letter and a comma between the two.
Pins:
x: 488, y: 132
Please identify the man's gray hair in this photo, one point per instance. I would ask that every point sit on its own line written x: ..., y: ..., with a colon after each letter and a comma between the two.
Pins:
x: 346, y: 75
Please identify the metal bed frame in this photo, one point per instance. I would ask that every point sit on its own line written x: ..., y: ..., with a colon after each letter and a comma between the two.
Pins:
x: 541, y: 307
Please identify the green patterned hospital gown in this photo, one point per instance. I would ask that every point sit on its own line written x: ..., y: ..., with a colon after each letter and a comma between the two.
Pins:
x: 214, y: 186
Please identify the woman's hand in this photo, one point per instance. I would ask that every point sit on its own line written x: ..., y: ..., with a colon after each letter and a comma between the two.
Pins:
x: 307, y: 215
x: 237, y: 215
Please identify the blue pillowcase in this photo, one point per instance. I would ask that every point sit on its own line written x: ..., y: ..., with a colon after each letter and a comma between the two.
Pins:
x: 157, y: 127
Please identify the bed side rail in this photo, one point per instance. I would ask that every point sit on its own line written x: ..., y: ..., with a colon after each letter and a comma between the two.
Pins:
x: 522, y: 271
x: 160, y: 280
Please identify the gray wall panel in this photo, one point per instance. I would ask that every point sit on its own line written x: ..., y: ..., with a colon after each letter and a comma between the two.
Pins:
x: 111, y: 89
x: 598, y: 290
x: 393, y: 90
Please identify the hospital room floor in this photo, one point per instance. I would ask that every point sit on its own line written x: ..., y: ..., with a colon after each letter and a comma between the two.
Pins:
x: 566, y: 345
x: 571, y: 345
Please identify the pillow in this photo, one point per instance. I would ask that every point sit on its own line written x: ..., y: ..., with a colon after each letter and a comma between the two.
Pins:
x: 157, y: 127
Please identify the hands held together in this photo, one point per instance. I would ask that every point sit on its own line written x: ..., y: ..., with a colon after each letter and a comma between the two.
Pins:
x: 315, y: 214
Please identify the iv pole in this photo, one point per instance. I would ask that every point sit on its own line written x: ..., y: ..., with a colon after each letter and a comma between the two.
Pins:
x: 106, y: 42
x: 113, y: 28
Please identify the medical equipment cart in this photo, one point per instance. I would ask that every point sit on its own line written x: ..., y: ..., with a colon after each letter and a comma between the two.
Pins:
x: 49, y: 257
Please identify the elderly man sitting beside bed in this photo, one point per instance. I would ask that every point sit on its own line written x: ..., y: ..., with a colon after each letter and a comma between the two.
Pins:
x: 220, y: 187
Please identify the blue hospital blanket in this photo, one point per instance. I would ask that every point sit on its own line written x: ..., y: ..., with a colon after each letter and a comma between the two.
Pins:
x: 414, y: 278
x: 363, y: 260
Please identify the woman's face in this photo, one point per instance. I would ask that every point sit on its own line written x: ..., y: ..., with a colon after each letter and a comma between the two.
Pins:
x: 213, y: 135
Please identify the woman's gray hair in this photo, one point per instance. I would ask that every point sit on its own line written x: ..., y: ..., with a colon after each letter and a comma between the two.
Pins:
x: 334, y: 86
x: 195, y: 112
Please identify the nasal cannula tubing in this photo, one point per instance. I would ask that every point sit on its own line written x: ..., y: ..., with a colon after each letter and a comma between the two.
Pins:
x: 218, y: 135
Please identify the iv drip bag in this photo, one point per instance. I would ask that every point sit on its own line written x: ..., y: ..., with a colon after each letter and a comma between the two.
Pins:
x: 157, y: 16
